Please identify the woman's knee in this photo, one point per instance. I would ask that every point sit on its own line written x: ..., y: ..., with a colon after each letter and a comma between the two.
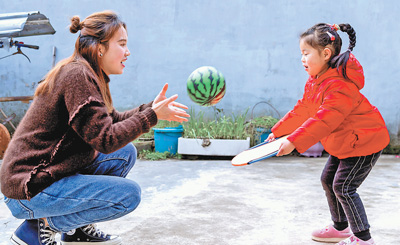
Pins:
x: 132, y: 196
x: 131, y: 153
x: 18, y: 210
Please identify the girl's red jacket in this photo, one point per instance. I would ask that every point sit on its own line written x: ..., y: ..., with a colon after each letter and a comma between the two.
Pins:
x: 334, y: 112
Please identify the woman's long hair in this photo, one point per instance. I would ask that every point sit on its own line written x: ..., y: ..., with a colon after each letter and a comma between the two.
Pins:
x: 96, y: 29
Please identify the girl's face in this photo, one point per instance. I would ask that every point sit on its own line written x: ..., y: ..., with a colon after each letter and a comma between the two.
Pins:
x: 314, y: 61
x: 113, y: 58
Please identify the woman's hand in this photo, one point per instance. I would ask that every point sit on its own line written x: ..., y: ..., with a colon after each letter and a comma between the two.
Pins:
x: 285, y: 148
x: 167, y: 109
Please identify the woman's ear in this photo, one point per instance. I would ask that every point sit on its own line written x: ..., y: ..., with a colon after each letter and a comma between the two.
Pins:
x: 100, y: 51
x: 327, y: 53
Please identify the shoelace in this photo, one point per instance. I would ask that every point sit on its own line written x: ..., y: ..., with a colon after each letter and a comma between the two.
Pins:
x: 47, y: 236
x: 94, y: 231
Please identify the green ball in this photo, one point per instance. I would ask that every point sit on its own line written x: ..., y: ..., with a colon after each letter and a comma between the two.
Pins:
x: 206, y: 86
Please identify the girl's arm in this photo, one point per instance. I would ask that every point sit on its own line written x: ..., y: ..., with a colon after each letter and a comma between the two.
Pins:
x: 338, y: 102
x: 292, y: 120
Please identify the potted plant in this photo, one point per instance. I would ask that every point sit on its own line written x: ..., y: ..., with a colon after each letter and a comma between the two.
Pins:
x: 261, y: 128
x: 221, y: 136
x: 146, y: 142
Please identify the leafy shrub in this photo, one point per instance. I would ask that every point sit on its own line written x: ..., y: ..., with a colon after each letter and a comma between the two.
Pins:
x: 154, y: 156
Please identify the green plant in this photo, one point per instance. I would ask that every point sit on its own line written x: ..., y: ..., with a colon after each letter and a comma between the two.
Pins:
x: 222, y: 127
x: 264, y: 121
x: 165, y: 124
x: 154, y: 156
x: 259, y: 126
x: 392, y: 149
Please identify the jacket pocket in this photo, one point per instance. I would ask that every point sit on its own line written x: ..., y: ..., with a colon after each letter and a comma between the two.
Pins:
x: 353, y: 139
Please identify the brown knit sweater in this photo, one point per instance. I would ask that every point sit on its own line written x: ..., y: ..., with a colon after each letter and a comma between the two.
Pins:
x: 63, y: 129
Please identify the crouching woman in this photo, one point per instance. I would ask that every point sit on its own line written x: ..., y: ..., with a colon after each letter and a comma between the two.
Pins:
x: 65, y: 167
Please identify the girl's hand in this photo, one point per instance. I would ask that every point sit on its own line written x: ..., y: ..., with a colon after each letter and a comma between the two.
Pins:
x: 167, y: 109
x: 285, y: 148
x: 271, y: 137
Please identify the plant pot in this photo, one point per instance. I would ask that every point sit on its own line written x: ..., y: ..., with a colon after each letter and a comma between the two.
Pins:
x: 166, y: 139
x: 261, y: 134
x: 212, y: 147
x: 142, y: 145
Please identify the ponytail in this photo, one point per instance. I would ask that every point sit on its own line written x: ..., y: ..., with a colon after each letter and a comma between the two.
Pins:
x: 341, y: 59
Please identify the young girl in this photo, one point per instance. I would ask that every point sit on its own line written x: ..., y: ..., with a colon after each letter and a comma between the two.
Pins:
x: 64, y: 168
x: 351, y: 130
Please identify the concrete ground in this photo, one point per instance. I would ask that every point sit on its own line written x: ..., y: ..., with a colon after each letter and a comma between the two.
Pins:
x: 210, y: 202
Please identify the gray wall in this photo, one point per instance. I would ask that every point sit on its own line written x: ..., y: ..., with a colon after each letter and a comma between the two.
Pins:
x: 254, y: 43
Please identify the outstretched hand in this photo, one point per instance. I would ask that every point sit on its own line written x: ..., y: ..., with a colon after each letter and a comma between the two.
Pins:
x: 167, y: 109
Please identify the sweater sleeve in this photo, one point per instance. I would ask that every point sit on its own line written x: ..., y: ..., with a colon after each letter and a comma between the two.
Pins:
x: 120, y: 116
x: 89, y: 118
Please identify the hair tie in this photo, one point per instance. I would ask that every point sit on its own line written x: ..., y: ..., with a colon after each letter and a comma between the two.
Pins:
x: 335, y: 27
x: 331, y: 36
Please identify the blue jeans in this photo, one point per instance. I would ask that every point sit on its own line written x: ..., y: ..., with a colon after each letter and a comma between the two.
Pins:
x: 340, y: 180
x: 98, y: 193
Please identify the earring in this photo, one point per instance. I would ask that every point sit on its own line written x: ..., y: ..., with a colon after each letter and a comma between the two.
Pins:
x: 101, y: 55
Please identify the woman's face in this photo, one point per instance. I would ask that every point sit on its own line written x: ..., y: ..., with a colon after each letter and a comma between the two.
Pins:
x: 112, y: 59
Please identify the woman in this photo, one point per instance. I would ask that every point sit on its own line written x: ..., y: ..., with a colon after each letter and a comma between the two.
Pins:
x: 64, y: 168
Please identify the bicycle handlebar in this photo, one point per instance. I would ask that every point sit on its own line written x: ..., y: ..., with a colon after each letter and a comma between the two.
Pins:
x: 21, y: 44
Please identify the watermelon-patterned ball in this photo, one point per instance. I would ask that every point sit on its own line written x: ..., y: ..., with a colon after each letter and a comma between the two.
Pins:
x: 206, y: 86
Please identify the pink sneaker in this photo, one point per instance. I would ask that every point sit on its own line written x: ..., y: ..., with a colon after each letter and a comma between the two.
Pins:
x: 356, y: 241
x: 330, y: 234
